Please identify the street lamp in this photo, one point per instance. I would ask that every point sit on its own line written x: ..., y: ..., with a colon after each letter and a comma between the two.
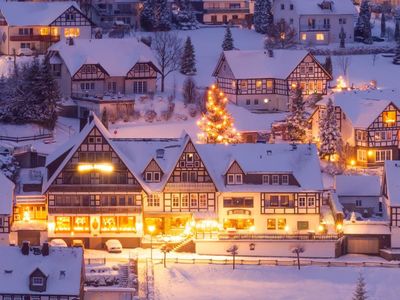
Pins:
x: 151, y: 229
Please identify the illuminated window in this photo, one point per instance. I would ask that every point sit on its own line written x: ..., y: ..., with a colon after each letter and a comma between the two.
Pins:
x: 320, y: 36
x: 270, y: 85
x: 361, y: 155
x: 258, y: 84
x: 81, y: 224
x: 243, y: 84
x: 193, y: 200
x: 185, y: 200
x: 303, y: 36
x: 389, y: 118
x: 153, y: 200
x: 44, y: 31
x: 108, y: 224
x: 281, y: 223
x: 175, y: 200
x: 310, y: 201
x: 271, y: 224
x: 203, y: 200
x: 63, y: 224
x: 71, y: 32
x: 241, y: 224
x: 126, y: 223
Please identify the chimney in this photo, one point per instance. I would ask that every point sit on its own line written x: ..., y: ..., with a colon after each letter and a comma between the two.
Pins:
x: 45, y: 249
x: 270, y: 53
x: 91, y: 117
x: 25, y: 248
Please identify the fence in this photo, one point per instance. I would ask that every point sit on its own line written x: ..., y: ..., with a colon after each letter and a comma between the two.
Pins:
x: 95, y: 261
x: 26, y: 138
x: 279, y: 262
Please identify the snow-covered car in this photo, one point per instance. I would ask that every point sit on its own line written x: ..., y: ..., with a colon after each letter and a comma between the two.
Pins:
x: 114, y: 246
x: 58, y: 243
x: 24, y: 51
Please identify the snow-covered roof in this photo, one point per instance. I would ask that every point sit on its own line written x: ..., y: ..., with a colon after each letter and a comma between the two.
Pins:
x: 259, y: 64
x: 6, y: 195
x: 363, y: 107
x: 66, y: 260
x: 33, y: 13
x: 116, y: 56
x: 392, y: 176
x: 302, y: 162
x: 312, y: 7
x: 358, y: 185
x: 366, y: 227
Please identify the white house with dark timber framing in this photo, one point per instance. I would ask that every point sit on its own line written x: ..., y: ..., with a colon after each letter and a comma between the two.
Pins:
x: 104, y: 73
x: 262, y: 79
x: 28, y: 28
x: 6, y: 208
x: 369, y: 123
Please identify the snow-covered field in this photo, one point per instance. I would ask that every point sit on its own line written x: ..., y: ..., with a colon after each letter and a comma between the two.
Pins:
x: 258, y: 282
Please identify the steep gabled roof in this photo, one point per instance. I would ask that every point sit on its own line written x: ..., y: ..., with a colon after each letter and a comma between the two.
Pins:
x: 246, y: 64
x: 115, y: 56
x: 72, y: 146
x: 363, y: 107
x: 34, y: 13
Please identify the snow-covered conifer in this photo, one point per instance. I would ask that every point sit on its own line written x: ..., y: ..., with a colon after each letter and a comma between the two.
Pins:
x: 188, y: 61
x: 227, y: 44
x: 329, y: 131
x: 263, y: 17
x: 360, y: 293
x: 296, y: 121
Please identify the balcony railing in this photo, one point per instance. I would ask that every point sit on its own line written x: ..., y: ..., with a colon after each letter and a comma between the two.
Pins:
x: 222, y: 10
x: 95, y: 210
x: 315, y: 28
x: 261, y: 236
x: 35, y: 37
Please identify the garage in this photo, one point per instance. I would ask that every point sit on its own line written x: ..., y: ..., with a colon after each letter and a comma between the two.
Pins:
x: 33, y: 236
x: 363, y: 245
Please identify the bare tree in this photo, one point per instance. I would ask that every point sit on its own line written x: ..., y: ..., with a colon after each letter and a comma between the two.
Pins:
x: 168, y: 48
x: 344, y: 63
x: 280, y: 35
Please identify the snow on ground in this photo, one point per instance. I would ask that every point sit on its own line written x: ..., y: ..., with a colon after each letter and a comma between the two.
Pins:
x: 258, y: 282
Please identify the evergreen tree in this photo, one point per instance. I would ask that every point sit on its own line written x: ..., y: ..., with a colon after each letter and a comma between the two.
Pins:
x: 397, y: 31
x: 217, y: 123
x: 186, y: 17
x: 342, y: 37
x: 360, y: 293
x: 363, y: 26
x: 147, y: 15
x: 164, y: 14
x: 383, y: 25
x: 263, y: 17
x: 328, y: 65
x: 227, y: 44
x: 296, y: 121
x: 280, y: 35
x: 188, y: 61
x: 190, y: 93
x: 330, y: 137
x: 396, y: 59
x: 104, y: 118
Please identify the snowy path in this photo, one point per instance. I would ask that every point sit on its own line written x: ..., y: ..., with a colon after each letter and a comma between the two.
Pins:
x: 272, y: 283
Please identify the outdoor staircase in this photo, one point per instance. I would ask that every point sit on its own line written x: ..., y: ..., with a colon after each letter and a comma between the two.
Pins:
x: 187, y: 245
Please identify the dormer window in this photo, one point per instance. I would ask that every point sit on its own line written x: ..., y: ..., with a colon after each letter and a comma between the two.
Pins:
x: 235, y: 178
x: 152, y: 176
x: 275, y: 179
x: 37, y: 281
x: 285, y: 179
x: 265, y: 179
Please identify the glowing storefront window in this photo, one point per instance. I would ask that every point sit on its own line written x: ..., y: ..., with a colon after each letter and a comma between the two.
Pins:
x: 71, y: 32
x: 127, y: 223
x: 108, y: 224
x: 238, y: 223
x: 63, y: 224
x: 389, y: 117
x: 320, y: 37
x: 81, y: 224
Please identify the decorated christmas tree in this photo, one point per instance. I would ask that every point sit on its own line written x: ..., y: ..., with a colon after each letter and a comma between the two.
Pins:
x: 296, y: 120
x: 217, y: 123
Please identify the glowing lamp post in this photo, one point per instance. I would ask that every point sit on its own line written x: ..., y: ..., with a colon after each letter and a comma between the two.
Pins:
x: 151, y: 229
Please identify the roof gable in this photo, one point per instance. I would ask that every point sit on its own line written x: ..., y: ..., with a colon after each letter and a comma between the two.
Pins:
x: 309, y: 58
x: 79, y: 19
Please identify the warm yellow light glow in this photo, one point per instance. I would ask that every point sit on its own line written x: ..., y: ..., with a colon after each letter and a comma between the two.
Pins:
x: 339, y: 227
x: 151, y: 228
x: 71, y: 32
x: 51, y: 226
x: 303, y: 36
x: 341, y: 84
x: 287, y: 228
x: 370, y: 153
x: 266, y: 100
x: 44, y: 31
x: 321, y: 228
x: 107, y: 168
x: 26, y: 217
x: 320, y: 37
x: 353, y: 162
x: 252, y: 228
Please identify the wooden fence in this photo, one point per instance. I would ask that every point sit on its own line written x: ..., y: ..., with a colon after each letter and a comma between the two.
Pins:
x: 18, y: 139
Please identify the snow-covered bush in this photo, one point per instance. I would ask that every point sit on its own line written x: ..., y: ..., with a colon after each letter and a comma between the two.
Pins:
x: 9, y: 166
x: 150, y: 115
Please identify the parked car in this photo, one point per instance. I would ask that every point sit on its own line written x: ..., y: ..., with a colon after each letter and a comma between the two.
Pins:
x: 114, y: 246
x: 78, y: 243
x: 24, y: 51
x: 58, y: 243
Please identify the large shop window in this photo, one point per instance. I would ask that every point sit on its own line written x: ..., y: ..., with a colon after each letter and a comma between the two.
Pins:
x: 81, y: 224
x: 71, y: 32
x: 115, y: 224
x: 241, y: 224
x: 63, y: 224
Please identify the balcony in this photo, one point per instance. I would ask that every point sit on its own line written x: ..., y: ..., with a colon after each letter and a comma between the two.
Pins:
x: 307, y: 28
x: 279, y: 237
x: 35, y: 38
x: 76, y: 188
x: 95, y: 210
x: 226, y: 10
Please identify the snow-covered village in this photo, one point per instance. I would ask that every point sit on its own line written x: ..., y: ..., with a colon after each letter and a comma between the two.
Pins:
x: 199, y: 149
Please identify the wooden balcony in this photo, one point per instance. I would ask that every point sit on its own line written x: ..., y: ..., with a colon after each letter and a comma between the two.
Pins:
x: 261, y: 236
x: 95, y: 210
x: 206, y: 187
x: 35, y: 37
x: 76, y: 188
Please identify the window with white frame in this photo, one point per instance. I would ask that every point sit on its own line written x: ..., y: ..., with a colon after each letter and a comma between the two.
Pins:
x: 152, y: 176
x: 234, y: 178
x: 285, y: 179
x: 185, y: 200
x: 140, y: 87
x: 275, y: 179
x: 1, y: 222
x: 361, y: 155
x: 311, y: 201
x: 382, y: 155
x: 193, y: 200
x: 203, y: 200
x: 37, y: 281
x: 175, y: 200
x: 265, y: 179
x: 153, y: 200
x: 302, y: 201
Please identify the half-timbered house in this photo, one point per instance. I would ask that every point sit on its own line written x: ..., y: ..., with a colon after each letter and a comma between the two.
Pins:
x: 104, y: 73
x: 28, y: 28
x: 91, y: 193
x: 265, y: 189
x: 6, y: 204
x: 263, y: 79
x: 369, y: 123
x: 41, y: 273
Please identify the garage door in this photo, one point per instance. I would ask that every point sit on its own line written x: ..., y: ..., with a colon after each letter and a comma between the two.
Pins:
x: 33, y: 236
x: 363, y: 245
